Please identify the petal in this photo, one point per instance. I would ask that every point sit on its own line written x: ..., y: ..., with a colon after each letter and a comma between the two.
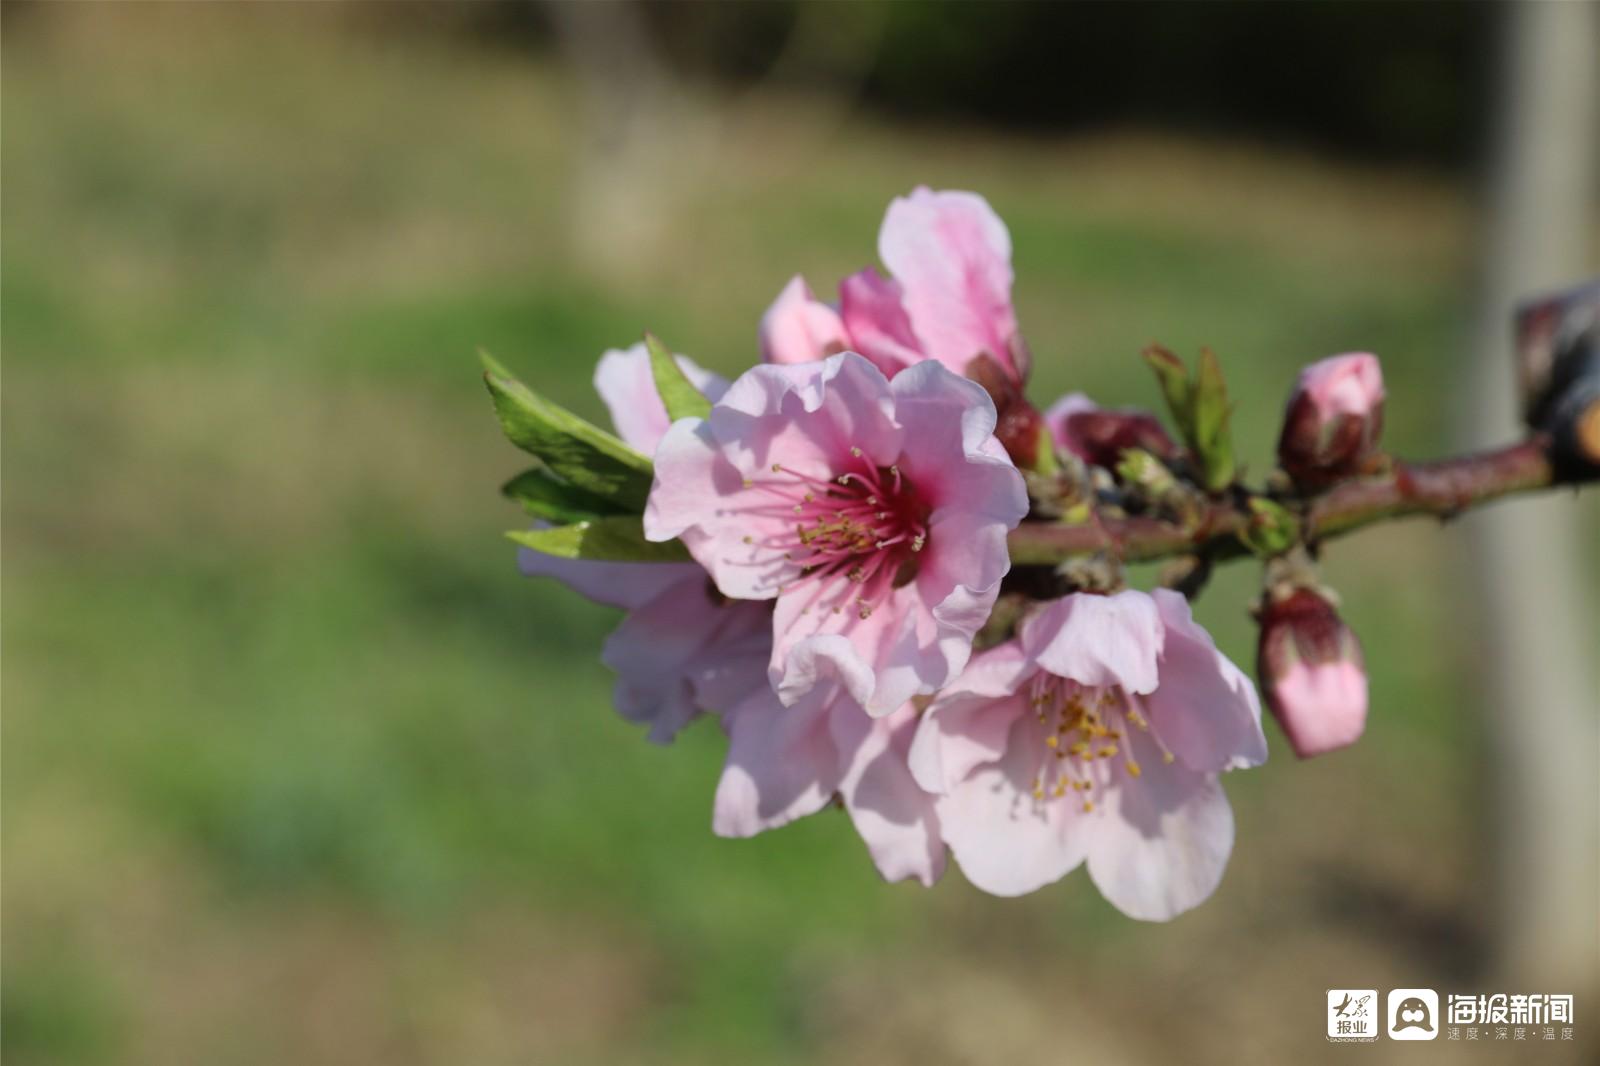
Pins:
x: 968, y: 723
x: 876, y: 322
x: 802, y: 660
x: 626, y: 383
x: 625, y: 585
x: 1007, y: 842
x: 1348, y: 384
x: 683, y: 652
x: 895, y: 818
x: 1322, y: 706
x: 798, y: 328
x: 1159, y: 844
x: 951, y: 255
x: 1099, y: 641
x: 782, y: 764
x: 967, y: 469
x: 1206, y: 710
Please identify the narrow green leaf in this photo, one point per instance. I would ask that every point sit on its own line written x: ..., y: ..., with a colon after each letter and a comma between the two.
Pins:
x: 677, y: 392
x: 1212, y: 438
x: 1173, y: 377
x: 578, y: 453
x: 543, y: 495
x: 614, y: 538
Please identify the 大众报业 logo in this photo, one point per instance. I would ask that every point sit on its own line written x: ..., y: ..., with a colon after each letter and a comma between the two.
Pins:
x: 1352, y: 1015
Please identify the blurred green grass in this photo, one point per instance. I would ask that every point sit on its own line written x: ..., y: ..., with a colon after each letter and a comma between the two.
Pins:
x: 297, y: 768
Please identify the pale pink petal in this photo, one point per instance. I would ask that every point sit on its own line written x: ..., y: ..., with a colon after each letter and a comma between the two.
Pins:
x: 1324, y: 705
x: 803, y: 659
x: 625, y: 585
x: 875, y: 321
x: 1206, y: 710
x: 1098, y: 641
x: 1007, y: 842
x: 968, y: 723
x: 894, y: 817
x: 799, y: 328
x: 1349, y: 384
x: 782, y: 764
x: 951, y: 255
x: 1158, y: 846
x: 685, y: 651
x: 625, y: 382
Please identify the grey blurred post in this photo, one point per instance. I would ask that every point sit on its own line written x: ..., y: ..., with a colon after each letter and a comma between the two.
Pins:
x: 1542, y: 693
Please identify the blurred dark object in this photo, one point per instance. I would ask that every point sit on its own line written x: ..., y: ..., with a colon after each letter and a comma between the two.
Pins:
x: 1558, y: 368
x: 1393, y: 80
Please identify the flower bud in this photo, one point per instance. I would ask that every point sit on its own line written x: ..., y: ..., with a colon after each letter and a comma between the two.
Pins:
x: 1018, y: 425
x: 1099, y: 435
x: 1312, y: 672
x: 1333, y: 420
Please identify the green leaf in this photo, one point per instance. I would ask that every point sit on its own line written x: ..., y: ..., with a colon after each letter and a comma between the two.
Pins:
x: 543, y: 495
x: 613, y: 538
x: 1212, y: 439
x: 1273, y: 529
x: 580, y: 454
x: 677, y: 392
x: 1173, y: 377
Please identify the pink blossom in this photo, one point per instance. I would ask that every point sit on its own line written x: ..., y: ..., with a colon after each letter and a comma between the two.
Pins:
x: 948, y: 299
x: 787, y: 762
x: 682, y: 647
x: 874, y: 512
x: 1096, y: 737
x: 1333, y: 419
x: 1312, y: 672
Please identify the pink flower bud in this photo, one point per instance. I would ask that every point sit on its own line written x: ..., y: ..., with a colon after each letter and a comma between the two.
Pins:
x: 1312, y: 673
x: 1333, y: 420
x: 1099, y: 435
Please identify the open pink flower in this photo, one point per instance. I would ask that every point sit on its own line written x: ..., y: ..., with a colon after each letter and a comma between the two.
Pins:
x: 874, y: 512
x: 683, y: 647
x: 948, y: 297
x: 787, y: 762
x: 1096, y: 737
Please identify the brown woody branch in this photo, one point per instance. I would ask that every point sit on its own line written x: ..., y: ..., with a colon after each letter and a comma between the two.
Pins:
x: 1442, y: 489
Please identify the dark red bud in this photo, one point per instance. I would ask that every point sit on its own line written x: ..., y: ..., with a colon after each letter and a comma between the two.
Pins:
x: 1018, y: 425
x: 1100, y: 436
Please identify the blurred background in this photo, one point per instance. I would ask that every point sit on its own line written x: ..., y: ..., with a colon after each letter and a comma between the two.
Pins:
x: 298, y: 769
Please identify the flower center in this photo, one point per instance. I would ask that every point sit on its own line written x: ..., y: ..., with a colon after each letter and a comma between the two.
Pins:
x: 861, y: 530
x: 1086, y: 731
